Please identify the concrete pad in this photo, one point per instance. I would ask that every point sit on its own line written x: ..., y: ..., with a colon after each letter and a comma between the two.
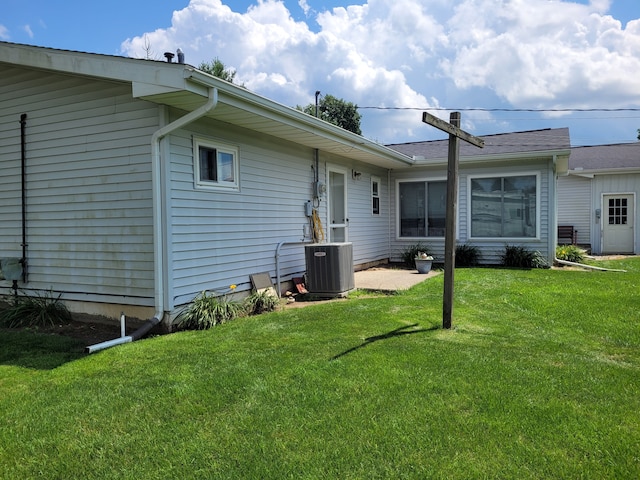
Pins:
x: 390, y: 279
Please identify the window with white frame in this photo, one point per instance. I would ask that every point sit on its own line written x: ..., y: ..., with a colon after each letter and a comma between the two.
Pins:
x: 375, y: 195
x: 423, y: 205
x: 504, y: 206
x: 216, y: 164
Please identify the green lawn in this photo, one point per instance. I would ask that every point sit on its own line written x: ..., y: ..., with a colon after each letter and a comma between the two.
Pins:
x: 539, y: 378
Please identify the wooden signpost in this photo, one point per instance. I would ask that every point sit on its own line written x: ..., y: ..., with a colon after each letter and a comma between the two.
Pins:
x: 455, y: 134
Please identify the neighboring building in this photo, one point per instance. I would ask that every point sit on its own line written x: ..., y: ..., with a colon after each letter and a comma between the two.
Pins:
x: 599, y: 196
x: 147, y: 182
x: 506, y: 193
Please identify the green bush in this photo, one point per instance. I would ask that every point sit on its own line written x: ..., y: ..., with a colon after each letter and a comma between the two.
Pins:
x: 570, y: 253
x: 409, y: 254
x: 520, y: 257
x: 260, y: 302
x: 208, y: 310
x: 467, y: 255
x: 38, y: 310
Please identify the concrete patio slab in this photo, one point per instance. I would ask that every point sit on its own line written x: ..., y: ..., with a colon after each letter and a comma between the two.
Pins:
x: 390, y: 279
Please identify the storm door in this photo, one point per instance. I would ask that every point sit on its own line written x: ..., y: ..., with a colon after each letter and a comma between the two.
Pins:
x: 337, y: 193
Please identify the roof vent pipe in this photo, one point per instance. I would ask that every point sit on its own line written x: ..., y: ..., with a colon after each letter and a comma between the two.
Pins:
x: 180, y: 55
x: 169, y: 56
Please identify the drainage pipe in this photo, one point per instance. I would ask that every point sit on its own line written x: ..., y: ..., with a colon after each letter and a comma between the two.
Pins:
x: 158, y: 232
x: 280, y: 245
x: 23, y: 171
x: 588, y: 267
x: 137, y: 335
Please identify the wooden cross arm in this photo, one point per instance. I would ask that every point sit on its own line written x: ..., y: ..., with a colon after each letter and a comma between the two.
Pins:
x: 452, y: 130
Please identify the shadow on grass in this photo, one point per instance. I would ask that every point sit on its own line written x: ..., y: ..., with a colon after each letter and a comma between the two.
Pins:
x: 28, y: 349
x: 398, y: 332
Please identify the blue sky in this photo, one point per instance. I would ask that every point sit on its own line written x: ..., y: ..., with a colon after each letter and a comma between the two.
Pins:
x: 392, y: 55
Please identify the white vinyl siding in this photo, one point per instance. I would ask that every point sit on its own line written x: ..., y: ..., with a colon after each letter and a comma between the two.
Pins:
x: 220, y: 238
x: 368, y: 233
x: 611, y: 184
x: 89, y: 210
x: 575, y: 205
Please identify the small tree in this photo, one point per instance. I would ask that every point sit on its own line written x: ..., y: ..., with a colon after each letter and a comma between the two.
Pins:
x: 218, y: 69
x: 337, y: 111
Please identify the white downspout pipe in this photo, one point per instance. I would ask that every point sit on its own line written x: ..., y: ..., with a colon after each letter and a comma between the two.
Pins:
x: 158, y: 237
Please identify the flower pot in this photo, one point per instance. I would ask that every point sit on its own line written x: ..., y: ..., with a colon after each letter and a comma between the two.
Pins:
x: 423, y: 266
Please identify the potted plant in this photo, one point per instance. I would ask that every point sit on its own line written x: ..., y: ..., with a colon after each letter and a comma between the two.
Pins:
x: 423, y: 262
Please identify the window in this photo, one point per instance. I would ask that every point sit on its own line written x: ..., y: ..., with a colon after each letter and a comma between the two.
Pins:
x: 375, y: 196
x: 617, y: 211
x: 216, y: 165
x: 422, y: 208
x: 504, y: 207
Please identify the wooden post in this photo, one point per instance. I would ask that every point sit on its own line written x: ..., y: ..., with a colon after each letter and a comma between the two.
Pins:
x: 450, y: 222
x: 455, y: 134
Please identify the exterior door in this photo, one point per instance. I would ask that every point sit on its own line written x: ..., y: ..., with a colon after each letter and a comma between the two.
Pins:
x: 618, y: 223
x: 337, y: 206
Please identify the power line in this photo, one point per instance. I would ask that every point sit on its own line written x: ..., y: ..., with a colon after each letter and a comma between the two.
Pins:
x: 478, y: 109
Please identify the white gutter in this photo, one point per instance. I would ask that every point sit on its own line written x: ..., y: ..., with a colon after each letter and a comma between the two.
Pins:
x: 158, y: 237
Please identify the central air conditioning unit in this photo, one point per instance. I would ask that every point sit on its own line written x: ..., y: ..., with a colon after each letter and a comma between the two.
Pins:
x: 329, y: 269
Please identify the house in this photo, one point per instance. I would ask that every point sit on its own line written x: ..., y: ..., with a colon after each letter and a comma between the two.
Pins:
x: 506, y: 193
x: 131, y: 185
x: 147, y: 182
x: 598, y: 197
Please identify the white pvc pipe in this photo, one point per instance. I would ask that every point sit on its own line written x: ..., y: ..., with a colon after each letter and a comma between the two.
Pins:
x: 108, y: 343
x: 588, y: 267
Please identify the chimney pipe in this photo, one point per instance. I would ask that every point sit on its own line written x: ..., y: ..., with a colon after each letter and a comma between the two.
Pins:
x: 180, y: 55
x: 169, y: 56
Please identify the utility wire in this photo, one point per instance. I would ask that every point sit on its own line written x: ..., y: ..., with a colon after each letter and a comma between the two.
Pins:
x: 542, y: 110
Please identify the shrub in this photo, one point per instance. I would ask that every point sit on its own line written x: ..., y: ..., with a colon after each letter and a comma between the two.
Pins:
x: 260, y: 302
x: 467, y: 255
x: 570, y: 253
x: 38, y: 310
x: 208, y: 310
x: 520, y: 257
x: 409, y: 254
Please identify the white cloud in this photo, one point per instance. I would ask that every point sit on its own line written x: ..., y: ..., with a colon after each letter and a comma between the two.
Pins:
x: 28, y: 31
x: 304, y: 5
x: 4, y: 32
x: 540, y: 53
x: 416, y: 53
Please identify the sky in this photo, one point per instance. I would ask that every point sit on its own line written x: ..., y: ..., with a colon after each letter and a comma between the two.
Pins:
x: 575, y: 63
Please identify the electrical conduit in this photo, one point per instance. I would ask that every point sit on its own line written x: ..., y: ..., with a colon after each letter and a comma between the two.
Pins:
x: 158, y: 237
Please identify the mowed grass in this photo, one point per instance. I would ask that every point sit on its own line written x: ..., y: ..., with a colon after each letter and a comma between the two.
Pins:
x: 539, y: 378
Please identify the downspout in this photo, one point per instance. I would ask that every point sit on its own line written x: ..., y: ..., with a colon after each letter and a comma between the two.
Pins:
x: 158, y: 243
x: 23, y: 169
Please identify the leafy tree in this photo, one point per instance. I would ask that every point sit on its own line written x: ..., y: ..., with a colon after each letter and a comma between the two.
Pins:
x: 337, y: 111
x: 218, y: 69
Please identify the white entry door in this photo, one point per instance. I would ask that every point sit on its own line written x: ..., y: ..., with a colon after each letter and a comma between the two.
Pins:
x: 617, y: 223
x: 338, y: 219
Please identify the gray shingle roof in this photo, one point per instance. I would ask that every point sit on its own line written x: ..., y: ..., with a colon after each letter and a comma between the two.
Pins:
x: 606, y: 157
x: 550, y: 139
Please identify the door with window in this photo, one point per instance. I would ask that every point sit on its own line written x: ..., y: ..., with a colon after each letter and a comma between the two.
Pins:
x: 618, y: 223
x: 337, y: 205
